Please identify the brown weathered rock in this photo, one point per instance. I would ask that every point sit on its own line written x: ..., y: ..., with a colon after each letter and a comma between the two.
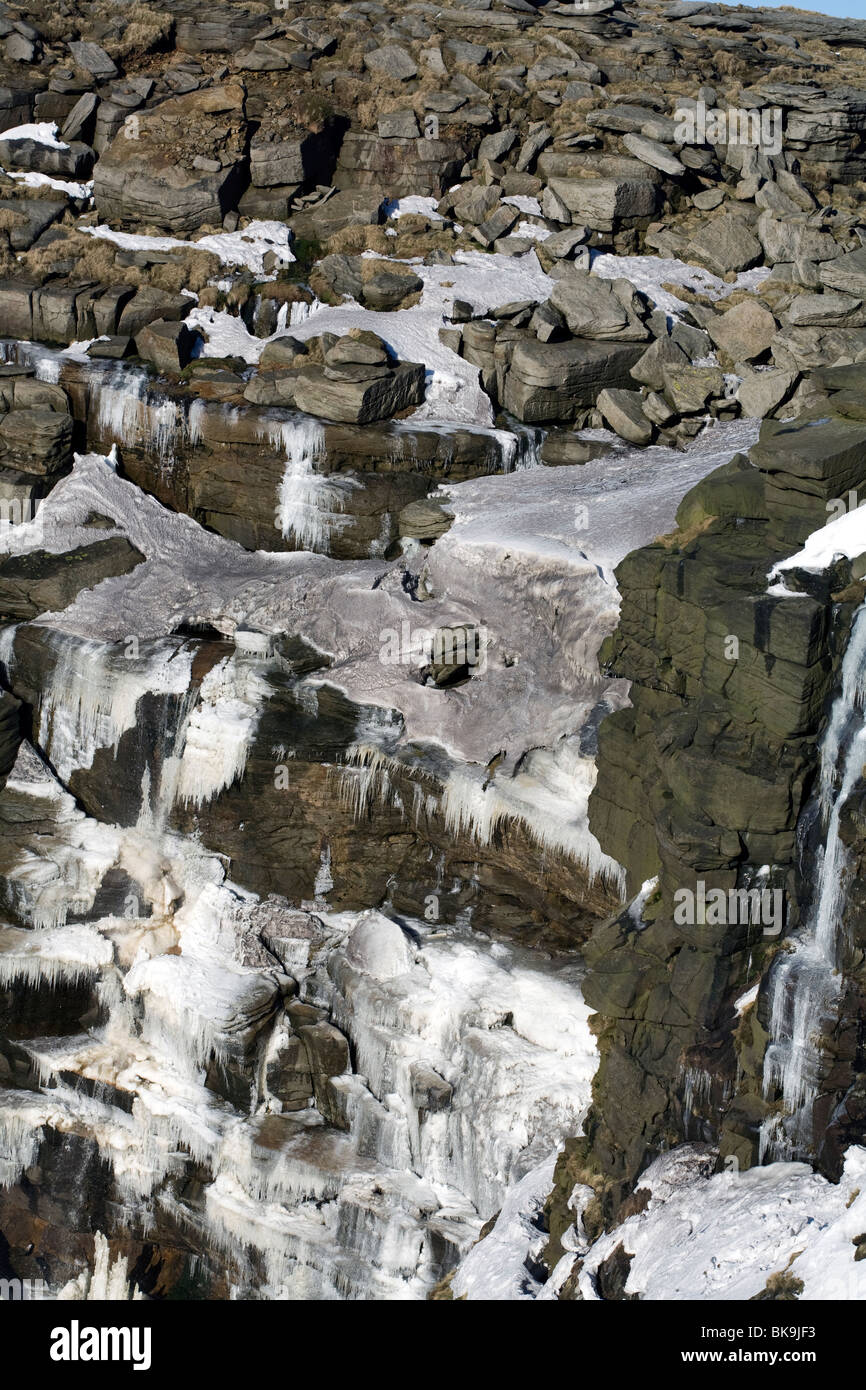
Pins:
x: 168, y: 345
x: 148, y: 173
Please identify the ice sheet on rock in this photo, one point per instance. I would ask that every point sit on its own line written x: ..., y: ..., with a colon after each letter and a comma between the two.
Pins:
x: 599, y: 510
x: 60, y: 873
x: 331, y: 1214
x: 22, y: 1115
x: 548, y: 794
x: 93, y: 692
x: 530, y: 558
x: 506, y: 1030
x: 67, y: 954
x: 309, y: 504
x: 47, y: 362
x: 219, y: 731
x: 195, y: 1009
x: 721, y: 1237
x: 129, y: 413
x: 650, y: 273
x: 638, y: 903
x: 499, y: 1268
x: 845, y: 536
x: 246, y: 248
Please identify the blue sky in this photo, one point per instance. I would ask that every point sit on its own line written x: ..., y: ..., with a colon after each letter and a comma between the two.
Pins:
x: 849, y: 9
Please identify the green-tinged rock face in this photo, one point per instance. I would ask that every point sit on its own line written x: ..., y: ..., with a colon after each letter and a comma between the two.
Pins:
x: 701, y: 782
x: 40, y: 582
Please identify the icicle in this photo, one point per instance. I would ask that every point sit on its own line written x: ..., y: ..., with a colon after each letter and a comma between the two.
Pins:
x: 22, y: 1115
x: 7, y: 653
x: 806, y: 982
x: 301, y: 311
x: 107, y: 1282
x: 219, y: 732
x: 127, y: 414
x: 324, y: 879
x: 309, y: 503
x: 364, y: 780
x: 548, y: 798
x: 65, y: 955
x: 91, y: 698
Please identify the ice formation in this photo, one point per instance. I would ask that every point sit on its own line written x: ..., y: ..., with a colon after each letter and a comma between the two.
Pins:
x: 805, y: 983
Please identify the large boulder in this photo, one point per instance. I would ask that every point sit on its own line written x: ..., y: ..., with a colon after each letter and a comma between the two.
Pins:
x: 622, y: 411
x: 725, y: 244
x: 167, y: 344
x: 744, y: 332
x: 149, y: 304
x: 363, y: 401
x: 282, y: 153
x: 808, y: 463
x: 689, y: 389
x: 29, y: 218
x: 153, y: 170
x: 350, y: 207
x: 826, y: 310
x: 16, y: 307
x: 558, y: 381
x: 592, y: 308
x: 218, y: 28
x: 398, y: 167
x: 37, y: 149
x: 604, y: 203
x: 791, y: 239
x: 846, y: 273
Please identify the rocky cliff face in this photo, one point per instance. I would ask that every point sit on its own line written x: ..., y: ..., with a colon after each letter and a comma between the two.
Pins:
x: 431, y: 713
x: 708, y: 782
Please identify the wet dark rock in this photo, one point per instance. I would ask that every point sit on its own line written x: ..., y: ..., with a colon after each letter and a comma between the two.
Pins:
x: 10, y: 733
x: 40, y: 582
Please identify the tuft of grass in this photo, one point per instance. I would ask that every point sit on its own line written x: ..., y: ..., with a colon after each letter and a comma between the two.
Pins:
x: 143, y: 30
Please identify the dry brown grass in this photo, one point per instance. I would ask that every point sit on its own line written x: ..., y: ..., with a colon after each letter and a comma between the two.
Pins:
x: 54, y: 27
x: 210, y: 297
x: 144, y: 29
x: 96, y: 260
x: 369, y: 269
x: 190, y: 270
x: 351, y: 241
x: 284, y: 292
x: 675, y: 540
x: 782, y: 1287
